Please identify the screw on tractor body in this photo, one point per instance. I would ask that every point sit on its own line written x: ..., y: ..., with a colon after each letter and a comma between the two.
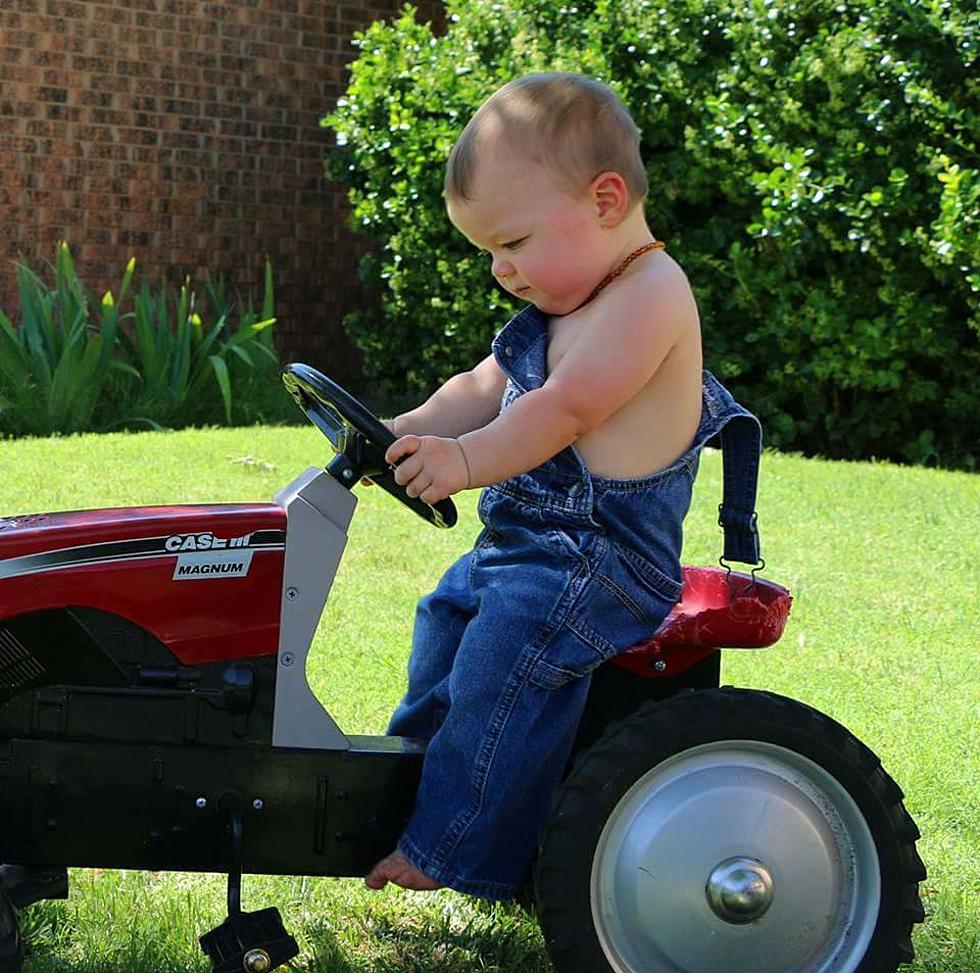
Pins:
x: 258, y: 804
x: 201, y: 802
x: 288, y: 659
x: 292, y: 593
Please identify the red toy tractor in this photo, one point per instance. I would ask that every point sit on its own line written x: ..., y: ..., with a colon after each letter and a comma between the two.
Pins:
x: 155, y: 714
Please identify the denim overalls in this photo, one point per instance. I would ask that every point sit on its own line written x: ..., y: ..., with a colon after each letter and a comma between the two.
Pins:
x: 569, y: 570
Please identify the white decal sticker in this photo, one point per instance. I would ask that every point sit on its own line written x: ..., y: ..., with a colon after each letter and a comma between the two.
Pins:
x: 214, y: 564
x: 204, y: 542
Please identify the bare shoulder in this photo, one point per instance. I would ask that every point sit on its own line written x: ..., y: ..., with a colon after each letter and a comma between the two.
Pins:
x: 642, y: 316
x: 661, y: 293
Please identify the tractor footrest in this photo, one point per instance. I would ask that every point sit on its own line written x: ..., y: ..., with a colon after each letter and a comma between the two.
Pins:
x: 249, y: 942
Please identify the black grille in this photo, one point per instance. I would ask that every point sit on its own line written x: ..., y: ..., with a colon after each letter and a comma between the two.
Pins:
x: 17, y: 666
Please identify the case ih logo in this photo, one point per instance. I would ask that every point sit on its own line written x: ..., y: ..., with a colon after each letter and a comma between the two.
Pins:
x: 217, y: 562
x: 204, y: 542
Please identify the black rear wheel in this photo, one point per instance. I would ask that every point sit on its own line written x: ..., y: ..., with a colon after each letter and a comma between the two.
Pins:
x: 729, y: 830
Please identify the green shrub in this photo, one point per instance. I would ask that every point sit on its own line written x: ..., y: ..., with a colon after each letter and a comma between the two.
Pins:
x: 813, y: 166
x: 73, y: 363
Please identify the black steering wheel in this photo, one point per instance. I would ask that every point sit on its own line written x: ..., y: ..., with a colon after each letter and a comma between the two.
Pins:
x: 359, y: 438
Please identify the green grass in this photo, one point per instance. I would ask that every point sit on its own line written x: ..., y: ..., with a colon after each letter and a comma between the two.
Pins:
x: 882, y: 563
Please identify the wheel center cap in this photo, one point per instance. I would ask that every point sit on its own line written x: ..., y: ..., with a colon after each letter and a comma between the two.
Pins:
x: 739, y: 890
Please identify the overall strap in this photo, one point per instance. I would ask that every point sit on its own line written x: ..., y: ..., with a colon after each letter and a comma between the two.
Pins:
x: 741, y: 445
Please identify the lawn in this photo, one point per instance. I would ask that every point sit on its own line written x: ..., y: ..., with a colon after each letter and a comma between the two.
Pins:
x: 881, y: 561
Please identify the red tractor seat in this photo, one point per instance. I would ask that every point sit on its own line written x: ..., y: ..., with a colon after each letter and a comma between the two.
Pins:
x: 718, y: 609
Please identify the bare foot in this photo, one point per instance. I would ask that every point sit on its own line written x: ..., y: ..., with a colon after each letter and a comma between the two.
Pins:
x: 398, y: 869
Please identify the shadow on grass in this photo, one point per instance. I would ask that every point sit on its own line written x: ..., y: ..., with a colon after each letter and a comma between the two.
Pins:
x: 396, y: 935
x: 451, y: 935
x: 405, y: 953
x: 57, y: 939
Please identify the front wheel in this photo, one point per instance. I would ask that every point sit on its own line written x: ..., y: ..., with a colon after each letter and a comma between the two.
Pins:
x: 728, y: 830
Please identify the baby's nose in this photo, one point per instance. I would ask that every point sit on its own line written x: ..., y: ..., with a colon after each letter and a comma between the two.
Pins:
x: 501, y: 267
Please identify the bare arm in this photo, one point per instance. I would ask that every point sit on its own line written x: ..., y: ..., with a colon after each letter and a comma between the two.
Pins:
x: 465, y: 402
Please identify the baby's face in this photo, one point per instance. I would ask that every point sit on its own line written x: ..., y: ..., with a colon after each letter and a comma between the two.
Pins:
x: 545, y: 246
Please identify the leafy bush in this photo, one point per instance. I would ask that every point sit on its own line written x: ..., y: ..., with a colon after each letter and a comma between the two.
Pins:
x: 813, y: 166
x: 181, y: 361
x: 74, y: 362
x: 56, y: 365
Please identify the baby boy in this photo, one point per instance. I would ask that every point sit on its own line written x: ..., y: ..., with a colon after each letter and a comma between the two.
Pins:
x: 584, y: 426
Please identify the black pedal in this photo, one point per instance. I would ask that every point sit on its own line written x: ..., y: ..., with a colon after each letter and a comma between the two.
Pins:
x: 249, y: 942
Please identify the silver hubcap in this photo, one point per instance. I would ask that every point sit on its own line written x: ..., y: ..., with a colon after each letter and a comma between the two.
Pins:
x: 739, y: 856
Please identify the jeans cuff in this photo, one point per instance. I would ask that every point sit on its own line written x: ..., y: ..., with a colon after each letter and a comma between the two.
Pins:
x: 485, y: 890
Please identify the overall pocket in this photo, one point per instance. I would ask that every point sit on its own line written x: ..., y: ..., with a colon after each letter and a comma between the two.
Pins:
x: 624, y: 601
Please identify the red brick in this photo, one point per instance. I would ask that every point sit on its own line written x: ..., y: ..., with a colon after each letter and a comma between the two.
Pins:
x: 110, y: 13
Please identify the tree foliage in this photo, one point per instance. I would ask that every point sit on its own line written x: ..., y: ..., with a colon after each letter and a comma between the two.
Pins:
x: 813, y: 166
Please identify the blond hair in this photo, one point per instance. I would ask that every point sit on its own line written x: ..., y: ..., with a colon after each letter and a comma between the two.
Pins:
x: 574, y: 124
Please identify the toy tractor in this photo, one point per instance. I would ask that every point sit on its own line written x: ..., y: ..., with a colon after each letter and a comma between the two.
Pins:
x: 155, y: 714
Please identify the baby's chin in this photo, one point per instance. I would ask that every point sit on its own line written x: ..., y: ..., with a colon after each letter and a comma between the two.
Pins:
x: 551, y: 305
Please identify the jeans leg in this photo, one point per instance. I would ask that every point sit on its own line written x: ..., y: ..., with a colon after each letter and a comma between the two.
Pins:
x: 440, y: 620
x: 491, y: 767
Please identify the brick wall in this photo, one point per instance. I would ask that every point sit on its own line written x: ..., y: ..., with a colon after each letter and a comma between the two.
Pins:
x: 184, y: 133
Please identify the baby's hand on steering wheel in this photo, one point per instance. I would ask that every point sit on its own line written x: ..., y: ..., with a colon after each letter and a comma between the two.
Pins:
x: 429, y: 467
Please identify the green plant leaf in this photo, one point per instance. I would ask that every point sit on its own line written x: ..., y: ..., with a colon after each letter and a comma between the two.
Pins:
x: 242, y: 354
x: 224, y: 382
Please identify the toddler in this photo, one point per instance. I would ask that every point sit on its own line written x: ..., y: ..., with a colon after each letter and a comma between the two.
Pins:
x: 584, y: 426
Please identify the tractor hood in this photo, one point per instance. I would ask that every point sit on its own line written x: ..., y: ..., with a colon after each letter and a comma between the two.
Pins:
x: 204, y: 579
x: 129, y: 529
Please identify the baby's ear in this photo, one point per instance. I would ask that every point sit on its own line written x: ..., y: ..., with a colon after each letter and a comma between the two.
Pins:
x: 611, y: 196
